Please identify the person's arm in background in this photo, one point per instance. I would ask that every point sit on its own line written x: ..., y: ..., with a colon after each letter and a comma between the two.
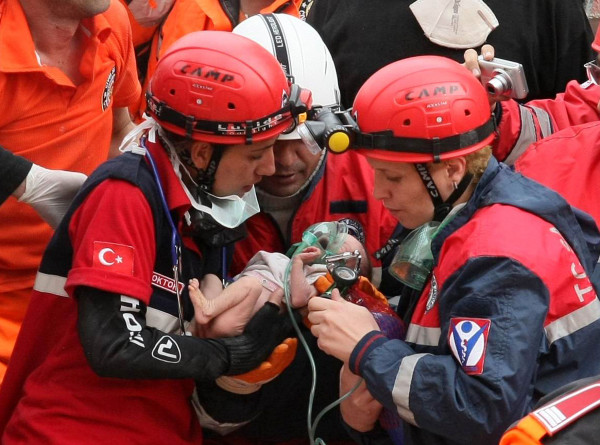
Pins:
x: 13, y: 171
x: 520, y: 125
x: 49, y: 192
x: 122, y: 124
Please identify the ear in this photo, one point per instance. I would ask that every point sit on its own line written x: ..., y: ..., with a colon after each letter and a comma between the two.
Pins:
x: 456, y: 169
x: 200, y: 154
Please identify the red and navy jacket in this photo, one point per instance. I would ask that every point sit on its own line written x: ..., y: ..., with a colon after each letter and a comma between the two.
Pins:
x: 342, y: 189
x: 50, y: 366
x: 508, y: 315
x: 567, y: 162
x: 520, y: 125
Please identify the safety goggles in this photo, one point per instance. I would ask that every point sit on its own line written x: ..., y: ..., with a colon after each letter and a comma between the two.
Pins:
x: 593, y: 72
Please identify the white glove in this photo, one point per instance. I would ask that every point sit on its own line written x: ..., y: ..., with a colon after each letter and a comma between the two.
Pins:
x: 50, y: 192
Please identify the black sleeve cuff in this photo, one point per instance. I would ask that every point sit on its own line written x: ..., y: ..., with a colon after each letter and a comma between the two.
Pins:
x: 227, y: 407
x: 13, y: 171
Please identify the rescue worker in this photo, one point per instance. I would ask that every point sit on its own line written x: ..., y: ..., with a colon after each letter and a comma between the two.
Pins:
x: 507, y: 311
x: 520, y: 125
x: 555, y: 141
x: 307, y: 187
x: 67, y: 79
x: 102, y: 356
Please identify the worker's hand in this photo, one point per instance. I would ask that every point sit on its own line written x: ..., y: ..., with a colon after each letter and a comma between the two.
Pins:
x: 265, y: 330
x: 359, y: 410
x: 275, y: 364
x: 472, y: 64
x: 50, y: 192
x: 471, y: 61
x: 339, y: 324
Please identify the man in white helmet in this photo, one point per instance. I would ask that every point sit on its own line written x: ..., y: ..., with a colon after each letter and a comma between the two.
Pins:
x: 307, y: 187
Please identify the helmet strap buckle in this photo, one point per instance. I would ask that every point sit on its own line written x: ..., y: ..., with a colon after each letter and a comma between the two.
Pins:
x: 189, y: 126
x: 436, y: 149
x: 248, y: 133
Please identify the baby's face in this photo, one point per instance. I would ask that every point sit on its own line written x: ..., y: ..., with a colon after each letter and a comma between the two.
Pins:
x: 351, y: 244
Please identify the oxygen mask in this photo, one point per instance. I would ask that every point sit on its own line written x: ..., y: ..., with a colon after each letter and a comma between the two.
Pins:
x: 328, y: 237
x: 413, y: 260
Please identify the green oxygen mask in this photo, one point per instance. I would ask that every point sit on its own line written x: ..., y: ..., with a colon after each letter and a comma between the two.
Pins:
x: 413, y: 260
x: 328, y: 237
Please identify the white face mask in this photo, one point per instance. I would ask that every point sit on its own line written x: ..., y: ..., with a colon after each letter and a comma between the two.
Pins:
x: 458, y: 24
x: 229, y: 211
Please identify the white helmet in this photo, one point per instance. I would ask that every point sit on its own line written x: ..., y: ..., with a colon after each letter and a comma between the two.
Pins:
x: 301, y: 52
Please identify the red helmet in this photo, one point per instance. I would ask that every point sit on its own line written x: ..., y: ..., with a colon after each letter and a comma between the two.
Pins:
x: 596, y: 42
x: 422, y: 109
x: 220, y: 87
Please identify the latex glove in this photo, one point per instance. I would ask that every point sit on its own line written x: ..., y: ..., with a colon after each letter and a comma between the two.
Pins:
x: 50, y: 192
x: 251, y: 381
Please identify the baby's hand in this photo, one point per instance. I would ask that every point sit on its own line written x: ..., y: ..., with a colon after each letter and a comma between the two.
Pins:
x: 308, y: 255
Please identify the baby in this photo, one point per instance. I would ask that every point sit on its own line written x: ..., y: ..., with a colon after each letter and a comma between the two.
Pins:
x: 222, y: 312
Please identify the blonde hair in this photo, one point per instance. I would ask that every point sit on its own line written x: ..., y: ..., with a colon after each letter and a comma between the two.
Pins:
x: 477, y: 162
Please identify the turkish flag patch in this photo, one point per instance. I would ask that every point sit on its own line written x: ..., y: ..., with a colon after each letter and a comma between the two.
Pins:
x: 467, y: 338
x: 117, y: 258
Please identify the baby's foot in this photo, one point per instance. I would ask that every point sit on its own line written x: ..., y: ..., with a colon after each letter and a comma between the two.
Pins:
x: 203, y: 309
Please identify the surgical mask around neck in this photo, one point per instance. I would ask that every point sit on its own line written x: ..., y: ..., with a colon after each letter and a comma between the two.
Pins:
x: 413, y: 260
x: 228, y: 211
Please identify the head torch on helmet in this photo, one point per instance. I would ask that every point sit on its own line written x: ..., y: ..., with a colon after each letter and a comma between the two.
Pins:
x: 328, y: 128
x: 300, y: 51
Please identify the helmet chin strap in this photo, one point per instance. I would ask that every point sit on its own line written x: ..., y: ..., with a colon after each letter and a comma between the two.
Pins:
x: 205, y: 178
x: 441, y: 207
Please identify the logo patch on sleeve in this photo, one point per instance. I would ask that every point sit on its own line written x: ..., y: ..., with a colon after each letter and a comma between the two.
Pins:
x: 467, y: 338
x: 117, y: 258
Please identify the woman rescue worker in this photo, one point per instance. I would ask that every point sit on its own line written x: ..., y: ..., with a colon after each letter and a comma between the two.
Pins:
x: 507, y: 311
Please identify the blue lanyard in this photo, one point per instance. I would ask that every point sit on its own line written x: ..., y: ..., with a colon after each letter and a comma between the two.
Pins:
x: 175, y: 238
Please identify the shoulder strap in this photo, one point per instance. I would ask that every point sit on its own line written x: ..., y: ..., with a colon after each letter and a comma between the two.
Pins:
x: 562, y: 412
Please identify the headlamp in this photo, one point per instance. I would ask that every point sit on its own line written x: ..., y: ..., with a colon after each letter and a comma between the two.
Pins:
x: 328, y: 128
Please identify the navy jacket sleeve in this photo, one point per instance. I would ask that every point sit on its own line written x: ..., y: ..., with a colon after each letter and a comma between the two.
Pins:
x: 433, y: 391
